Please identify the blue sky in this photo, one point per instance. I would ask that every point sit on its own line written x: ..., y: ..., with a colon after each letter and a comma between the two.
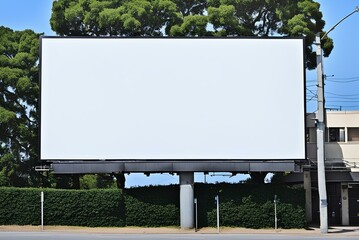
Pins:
x: 342, y: 67
x: 343, y: 62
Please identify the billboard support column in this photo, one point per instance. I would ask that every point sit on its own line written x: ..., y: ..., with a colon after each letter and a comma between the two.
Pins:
x: 186, y: 199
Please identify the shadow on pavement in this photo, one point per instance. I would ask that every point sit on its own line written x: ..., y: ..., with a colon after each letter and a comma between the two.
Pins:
x: 342, y: 229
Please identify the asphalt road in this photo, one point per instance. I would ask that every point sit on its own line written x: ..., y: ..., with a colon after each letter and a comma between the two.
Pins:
x: 91, y: 236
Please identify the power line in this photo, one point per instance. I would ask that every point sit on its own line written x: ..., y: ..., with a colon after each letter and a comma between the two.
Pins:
x: 348, y: 101
x: 343, y: 81
x: 312, y: 91
x: 345, y: 78
x: 343, y: 95
x: 337, y: 79
x: 312, y: 98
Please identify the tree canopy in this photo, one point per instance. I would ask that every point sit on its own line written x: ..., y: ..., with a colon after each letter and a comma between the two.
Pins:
x: 19, y: 52
x: 192, y: 18
x: 19, y: 55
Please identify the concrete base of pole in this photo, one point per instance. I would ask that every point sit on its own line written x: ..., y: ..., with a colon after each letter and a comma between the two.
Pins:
x: 186, y: 200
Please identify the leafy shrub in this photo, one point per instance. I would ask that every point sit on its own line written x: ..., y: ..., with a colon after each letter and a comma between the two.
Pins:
x: 250, y: 205
x: 152, y: 206
x: 20, y: 206
x: 241, y: 205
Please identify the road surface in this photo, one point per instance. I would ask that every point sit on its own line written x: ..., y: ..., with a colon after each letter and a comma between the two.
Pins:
x: 97, y: 236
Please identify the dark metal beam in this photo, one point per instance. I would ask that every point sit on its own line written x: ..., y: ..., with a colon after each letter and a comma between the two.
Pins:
x: 83, y: 167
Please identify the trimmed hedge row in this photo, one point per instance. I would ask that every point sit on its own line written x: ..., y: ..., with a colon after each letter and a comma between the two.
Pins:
x: 21, y: 206
x: 152, y: 206
x: 250, y: 205
x: 240, y: 205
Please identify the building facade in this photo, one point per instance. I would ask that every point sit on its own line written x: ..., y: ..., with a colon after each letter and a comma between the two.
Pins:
x: 342, y: 168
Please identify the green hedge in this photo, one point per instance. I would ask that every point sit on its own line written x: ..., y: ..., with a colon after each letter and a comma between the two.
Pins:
x: 250, y: 205
x: 91, y: 208
x: 152, y: 206
x: 21, y: 206
x: 241, y: 205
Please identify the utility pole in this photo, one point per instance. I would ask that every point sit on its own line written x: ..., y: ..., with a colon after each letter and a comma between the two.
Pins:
x: 323, y: 205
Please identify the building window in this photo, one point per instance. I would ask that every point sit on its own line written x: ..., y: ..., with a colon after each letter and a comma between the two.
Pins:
x: 336, y: 134
x: 353, y: 134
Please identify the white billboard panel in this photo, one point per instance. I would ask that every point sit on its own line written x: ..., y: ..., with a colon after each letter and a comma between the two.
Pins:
x: 172, y: 99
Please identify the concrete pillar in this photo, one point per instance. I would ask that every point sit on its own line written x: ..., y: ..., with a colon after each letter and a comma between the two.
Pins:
x: 345, y: 204
x: 307, y: 182
x: 186, y: 199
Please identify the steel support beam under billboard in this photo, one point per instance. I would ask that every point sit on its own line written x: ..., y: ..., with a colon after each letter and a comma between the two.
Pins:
x: 83, y: 167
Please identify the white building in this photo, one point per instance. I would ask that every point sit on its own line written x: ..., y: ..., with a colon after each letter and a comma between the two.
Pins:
x: 342, y: 139
x: 342, y: 168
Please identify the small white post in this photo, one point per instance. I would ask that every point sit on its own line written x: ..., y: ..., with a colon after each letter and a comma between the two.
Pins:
x: 195, y: 205
x: 275, y: 213
x: 42, y: 211
x: 217, y: 202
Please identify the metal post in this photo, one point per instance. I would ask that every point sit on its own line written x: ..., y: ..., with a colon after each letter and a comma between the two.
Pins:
x: 196, y: 213
x: 307, y: 181
x: 275, y: 213
x: 42, y: 211
x: 323, y: 205
x: 217, y: 203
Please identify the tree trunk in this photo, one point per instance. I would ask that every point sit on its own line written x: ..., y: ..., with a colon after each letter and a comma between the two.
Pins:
x: 76, y: 181
x: 258, y: 177
x: 120, y: 180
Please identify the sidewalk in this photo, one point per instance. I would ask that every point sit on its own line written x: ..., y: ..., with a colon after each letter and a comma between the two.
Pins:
x: 340, y: 230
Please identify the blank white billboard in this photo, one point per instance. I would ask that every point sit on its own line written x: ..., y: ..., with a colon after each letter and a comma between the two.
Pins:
x: 172, y: 99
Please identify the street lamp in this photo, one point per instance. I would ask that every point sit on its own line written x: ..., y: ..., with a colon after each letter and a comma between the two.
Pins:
x: 323, y: 202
